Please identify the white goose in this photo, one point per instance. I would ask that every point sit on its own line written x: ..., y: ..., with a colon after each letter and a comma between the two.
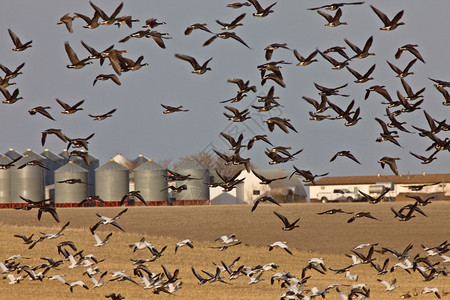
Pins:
x: 281, y: 245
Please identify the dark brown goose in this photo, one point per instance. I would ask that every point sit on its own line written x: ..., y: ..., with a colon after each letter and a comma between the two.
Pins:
x: 388, y: 24
x: 75, y: 62
x: 198, y: 69
x: 17, y: 43
x: 233, y: 24
x: 333, y: 21
x: 67, y: 20
x: 42, y: 110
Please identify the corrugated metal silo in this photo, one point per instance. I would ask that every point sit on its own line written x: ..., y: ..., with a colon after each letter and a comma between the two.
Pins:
x: 70, y: 193
x: 149, y: 180
x: 94, y: 164
x: 52, y: 161
x: 141, y: 159
x: 27, y: 182
x: 111, y: 181
x: 5, y: 180
x: 13, y: 154
x: 65, y: 155
x: 197, y: 189
x: 33, y: 155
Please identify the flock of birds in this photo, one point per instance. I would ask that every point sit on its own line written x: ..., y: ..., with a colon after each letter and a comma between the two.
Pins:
x: 429, y: 264
x: 327, y: 108
x: 271, y: 71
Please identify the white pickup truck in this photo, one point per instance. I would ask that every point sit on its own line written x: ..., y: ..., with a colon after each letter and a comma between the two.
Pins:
x: 338, y: 195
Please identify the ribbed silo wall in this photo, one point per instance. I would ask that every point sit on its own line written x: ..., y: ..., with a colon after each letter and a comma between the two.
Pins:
x: 70, y: 193
x: 197, y: 188
x: 52, y: 161
x: 94, y: 164
x: 5, y: 181
x: 149, y: 180
x: 27, y: 182
x: 111, y: 181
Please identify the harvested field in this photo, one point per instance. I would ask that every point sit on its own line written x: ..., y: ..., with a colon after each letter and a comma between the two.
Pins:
x: 326, y: 236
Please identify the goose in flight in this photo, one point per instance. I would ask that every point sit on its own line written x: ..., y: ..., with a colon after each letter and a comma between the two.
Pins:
x: 333, y: 21
x: 198, y: 69
x: 42, y: 110
x: 263, y: 199
x: 171, y: 109
x: 186, y: 242
x: 280, y: 244
x: 265, y: 180
x: 288, y: 226
x: 345, y: 153
x: 227, y: 239
x: 98, y: 241
x: 334, y: 211
x: 103, y: 116
x: 390, y: 286
x: 134, y: 194
x: 75, y: 62
x: 260, y: 11
x: 70, y: 109
x: 373, y: 200
x: 361, y: 215
x: 112, y: 221
x: 18, y: 46
x: 67, y: 20
x: 335, y: 6
x: 233, y: 24
x: 389, y: 24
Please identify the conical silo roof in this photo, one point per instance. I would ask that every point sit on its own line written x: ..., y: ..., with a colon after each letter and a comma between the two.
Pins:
x: 149, y: 165
x: 111, y: 165
x: 71, y: 167
x: 191, y: 164
x: 52, y: 156
x: 141, y: 159
x: 64, y: 154
x: 13, y: 154
x: 33, y: 155
x: 4, y: 159
x: 120, y: 159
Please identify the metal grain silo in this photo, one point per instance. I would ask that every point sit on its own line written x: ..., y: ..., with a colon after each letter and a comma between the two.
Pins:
x: 65, y: 155
x: 5, y: 180
x: 149, y: 180
x: 111, y: 181
x: 94, y: 164
x: 197, y: 189
x: 141, y: 159
x: 27, y: 182
x: 52, y: 161
x: 70, y: 193
x: 13, y: 154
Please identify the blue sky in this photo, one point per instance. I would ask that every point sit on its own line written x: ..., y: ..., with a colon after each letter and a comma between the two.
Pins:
x: 139, y: 127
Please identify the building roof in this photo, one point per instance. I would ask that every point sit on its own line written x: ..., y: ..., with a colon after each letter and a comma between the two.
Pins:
x: 402, y: 179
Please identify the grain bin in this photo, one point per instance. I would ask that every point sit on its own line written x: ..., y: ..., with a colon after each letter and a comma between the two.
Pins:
x: 27, y: 182
x: 53, y: 161
x: 70, y: 193
x: 13, y: 154
x: 149, y: 180
x: 197, y: 188
x: 141, y: 159
x: 112, y: 181
x: 5, y: 180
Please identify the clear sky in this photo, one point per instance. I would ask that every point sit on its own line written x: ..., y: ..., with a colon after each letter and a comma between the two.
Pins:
x: 139, y: 127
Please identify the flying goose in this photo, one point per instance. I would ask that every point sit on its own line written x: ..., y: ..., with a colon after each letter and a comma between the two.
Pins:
x: 260, y: 11
x: 288, y: 226
x: 306, y: 174
x: 104, y: 77
x: 83, y: 154
x: 269, y: 49
x: 305, y: 61
x: 280, y: 244
x: 42, y: 110
x: 238, y: 116
x: 360, y: 54
x: 225, y: 35
x: 152, y: 23
x: 238, y: 4
x: 333, y: 21
x: 334, y: 211
x: 57, y: 132
x: 390, y: 161
x: 112, y: 221
x: 26, y: 240
x: 18, y: 46
x: 410, y: 48
x: 405, y: 72
x: 282, y: 123
x: 91, y: 23
x: 98, y: 241
x: 335, y: 6
x: 233, y: 24
x: 134, y: 194
x: 227, y: 239
x: 361, y: 215
x: 197, y: 68
x: 98, y: 282
x: 67, y: 20
x: 125, y: 20
x: 171, y: 109
x: 265, y: 180
x: 51, y: 236
x: 389, y: 24
x: 192, y: 27
x: 345, y: 153
x: 75, y: 62
x: 263, y: 199
x: 186, y: 242
x: 103, y: 116
x: 330, y: 91
x: 70, y: 109
x: 262, y: 137
x: 373, y: 200
x: 362, y: 78
x: 10, y: 98
x: 107, y: 20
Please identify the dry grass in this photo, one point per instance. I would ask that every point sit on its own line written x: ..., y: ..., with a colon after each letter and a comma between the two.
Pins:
x: 327, y: 236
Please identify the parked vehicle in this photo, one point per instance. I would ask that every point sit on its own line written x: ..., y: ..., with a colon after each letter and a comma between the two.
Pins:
x: 338, y: 195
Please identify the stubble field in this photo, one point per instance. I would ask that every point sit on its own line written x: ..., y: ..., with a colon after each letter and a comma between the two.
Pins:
x: 325, y: 236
